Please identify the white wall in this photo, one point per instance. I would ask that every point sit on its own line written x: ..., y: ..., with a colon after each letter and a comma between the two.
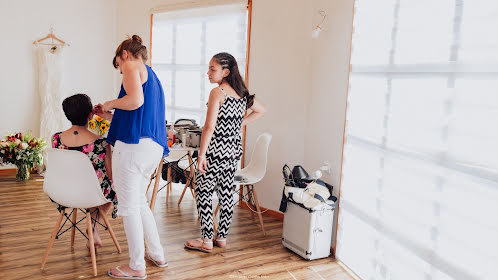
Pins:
x: 279, y: 75
x: 88, y: 26
x: 301, y: 81
x: 329, y: 84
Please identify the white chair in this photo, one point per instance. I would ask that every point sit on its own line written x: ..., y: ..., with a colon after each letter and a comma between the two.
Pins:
x: 70, y: 180
x: 253, y: 173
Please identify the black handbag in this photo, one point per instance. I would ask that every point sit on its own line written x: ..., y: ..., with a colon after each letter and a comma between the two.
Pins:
x: 288, y: 177
x: 289, y: 181
x: 177, y: 175
x: 300, y: 176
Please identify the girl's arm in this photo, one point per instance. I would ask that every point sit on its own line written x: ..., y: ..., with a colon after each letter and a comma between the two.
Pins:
x: 132, y: 84
x: 258, y: 110
x: 215, y: 98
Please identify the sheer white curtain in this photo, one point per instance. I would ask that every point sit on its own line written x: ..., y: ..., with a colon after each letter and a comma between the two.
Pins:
x: 419, y: 194
x: 183, y: 42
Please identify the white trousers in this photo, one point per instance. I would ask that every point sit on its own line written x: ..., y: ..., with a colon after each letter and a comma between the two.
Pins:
x: 132, y: 165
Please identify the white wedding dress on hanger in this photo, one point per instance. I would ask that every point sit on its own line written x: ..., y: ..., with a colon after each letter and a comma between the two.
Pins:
x: 50, y: 74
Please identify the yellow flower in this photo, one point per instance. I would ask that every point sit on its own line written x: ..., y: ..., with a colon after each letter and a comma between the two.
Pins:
x: 91, y: 124
x: 103, y: 127
x: 97, y: 118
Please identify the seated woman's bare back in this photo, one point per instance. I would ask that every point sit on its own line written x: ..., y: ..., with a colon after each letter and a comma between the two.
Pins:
x: 81, y: 137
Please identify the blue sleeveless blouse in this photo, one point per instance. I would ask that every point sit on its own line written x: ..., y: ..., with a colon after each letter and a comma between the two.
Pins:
x: 148, y: 121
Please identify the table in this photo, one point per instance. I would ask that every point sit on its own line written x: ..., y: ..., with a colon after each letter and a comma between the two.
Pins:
x: 172, y: 158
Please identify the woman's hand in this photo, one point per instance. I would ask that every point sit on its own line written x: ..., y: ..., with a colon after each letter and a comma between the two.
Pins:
x: 202, y: 164
x: 108, y: 106
x: 99, y: 111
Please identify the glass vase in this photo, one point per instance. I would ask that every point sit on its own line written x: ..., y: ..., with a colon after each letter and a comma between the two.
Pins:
x: 22, y: 174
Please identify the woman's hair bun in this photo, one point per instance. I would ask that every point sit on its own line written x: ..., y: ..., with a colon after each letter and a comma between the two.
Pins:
x: 136, y: 38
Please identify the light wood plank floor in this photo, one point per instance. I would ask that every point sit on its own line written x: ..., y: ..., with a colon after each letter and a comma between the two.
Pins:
x: 27, y: 218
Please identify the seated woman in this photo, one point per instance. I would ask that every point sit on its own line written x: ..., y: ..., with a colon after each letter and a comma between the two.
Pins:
x: 79, y: 110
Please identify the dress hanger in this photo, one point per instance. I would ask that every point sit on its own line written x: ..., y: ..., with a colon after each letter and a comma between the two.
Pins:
x: 51, y: 36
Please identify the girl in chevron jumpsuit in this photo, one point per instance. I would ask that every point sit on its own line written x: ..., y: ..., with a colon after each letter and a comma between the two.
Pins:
x: 221, y: 147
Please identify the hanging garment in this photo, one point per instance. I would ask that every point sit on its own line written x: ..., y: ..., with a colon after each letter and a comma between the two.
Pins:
x: 52, y: 119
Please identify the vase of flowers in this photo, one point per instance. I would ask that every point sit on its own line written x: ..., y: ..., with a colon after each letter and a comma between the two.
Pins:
x: 23, y: 151
x: 99, y: 125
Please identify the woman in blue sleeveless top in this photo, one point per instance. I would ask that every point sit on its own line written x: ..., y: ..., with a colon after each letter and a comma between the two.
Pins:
x: 138, y: 134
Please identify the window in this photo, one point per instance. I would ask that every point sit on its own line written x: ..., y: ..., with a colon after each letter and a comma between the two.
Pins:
x: 419, y: 186
x: 183, y: 42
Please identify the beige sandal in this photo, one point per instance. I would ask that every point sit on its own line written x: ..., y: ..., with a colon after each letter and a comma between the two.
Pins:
x: 202, y: 249
x: 147, y: 256
x: 220, y: 242
x: 124, y: 275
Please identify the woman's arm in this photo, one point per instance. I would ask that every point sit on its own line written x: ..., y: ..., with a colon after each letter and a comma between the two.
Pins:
x: 132, y: 84
x: 258, y: 110
x: 215, y: 98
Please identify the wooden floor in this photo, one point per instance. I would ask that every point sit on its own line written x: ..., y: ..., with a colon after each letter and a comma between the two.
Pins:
x: 27, y: 218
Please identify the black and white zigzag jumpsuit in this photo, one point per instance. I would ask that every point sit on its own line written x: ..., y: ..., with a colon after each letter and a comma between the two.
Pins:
x: 222, y: 156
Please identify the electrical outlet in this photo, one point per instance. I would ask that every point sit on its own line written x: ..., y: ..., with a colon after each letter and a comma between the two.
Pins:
x: 326, y: 167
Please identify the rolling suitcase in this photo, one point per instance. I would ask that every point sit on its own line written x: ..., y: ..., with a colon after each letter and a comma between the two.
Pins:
x: 308, y: 232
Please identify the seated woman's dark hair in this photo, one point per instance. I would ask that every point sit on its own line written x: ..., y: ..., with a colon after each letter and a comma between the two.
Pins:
x: 77, y: 108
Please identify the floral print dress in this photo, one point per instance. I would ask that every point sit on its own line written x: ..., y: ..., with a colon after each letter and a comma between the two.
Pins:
x: 96, y: 153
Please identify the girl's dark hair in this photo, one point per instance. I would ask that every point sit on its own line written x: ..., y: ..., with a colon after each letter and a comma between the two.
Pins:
x: 77, y: 108
x: 132, y: 45
x: 227, y: 61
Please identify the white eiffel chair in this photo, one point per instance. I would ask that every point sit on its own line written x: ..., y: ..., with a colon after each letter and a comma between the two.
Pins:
x: 70, y: 180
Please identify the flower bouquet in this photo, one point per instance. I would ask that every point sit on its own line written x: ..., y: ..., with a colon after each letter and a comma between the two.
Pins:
x: 23, y: 151
x: 99, y: 125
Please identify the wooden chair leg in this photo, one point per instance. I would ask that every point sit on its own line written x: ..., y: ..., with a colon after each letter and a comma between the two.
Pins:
x: 214, y: 218
x: 156, y: 186
x: 183, y: 193
x: 192, y: 192
x: 90, y: 237
x: 111, y: 232
x: 241, y: 198
x: 168, y: 187
x: 258, y: 209
x: 192, y: 175
x: 188, y: 184
x: 52, y: 238
x: 150, y: 181
x: 216, y: 210
x: 192, y: 187
x: 250, y: 201
x: 73, y: 229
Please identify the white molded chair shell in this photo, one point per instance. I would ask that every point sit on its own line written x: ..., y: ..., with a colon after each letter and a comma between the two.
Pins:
x: 70, y: 180
x: 176, y: 156
x: 256, y: 169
